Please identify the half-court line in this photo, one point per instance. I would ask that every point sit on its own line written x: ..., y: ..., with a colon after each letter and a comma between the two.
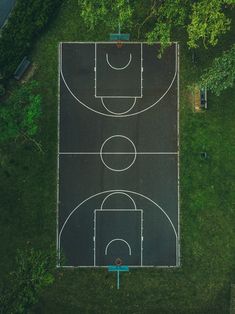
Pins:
x: 119, y: 153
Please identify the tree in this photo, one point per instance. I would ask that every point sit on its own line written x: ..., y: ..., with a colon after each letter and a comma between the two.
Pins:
x: 34, y: 272
x: 103, y: 12
x: 167, y: 14
x: 201, y: 20
x: 208, y: 22
x: 27, y: 20
x: 221, y: 74
x: 19, y: 115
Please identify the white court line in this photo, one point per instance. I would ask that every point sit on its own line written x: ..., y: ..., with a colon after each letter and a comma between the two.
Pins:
x: 126, y: 96
x: 137, y: 153
x: 58, y: 157
x: 134, y: 153
x: 141, y: 227
x: 118, y: 68
x: 119, y: 153
x: 95, y: 69
x: 115, y: 42
x: 119, y: 193
x: 118, y: 97
x: 141, y: 65
x: 119, y: 209
x: 110, y: 191
x: 120, y: 116
x: 107, y: 246
x: 119, y: 113
x: 130, y: 266
x: 178, y: 164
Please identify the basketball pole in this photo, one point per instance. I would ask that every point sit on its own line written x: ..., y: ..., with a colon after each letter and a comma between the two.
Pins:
x: 118, y: 269
x: 118, y: 279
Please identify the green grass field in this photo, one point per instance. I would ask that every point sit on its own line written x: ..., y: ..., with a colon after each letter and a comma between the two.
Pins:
x: 28, y: 198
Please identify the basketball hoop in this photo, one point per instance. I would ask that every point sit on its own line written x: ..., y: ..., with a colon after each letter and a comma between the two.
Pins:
x: 118, y: 261
x: 119, y: 39
x: 119, y: 44
x: 118, y: 268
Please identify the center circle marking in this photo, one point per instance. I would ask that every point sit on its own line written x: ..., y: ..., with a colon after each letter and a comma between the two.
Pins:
x: 102, y: 153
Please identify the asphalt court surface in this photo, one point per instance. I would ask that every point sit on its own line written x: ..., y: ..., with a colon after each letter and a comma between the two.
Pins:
x: 116, y: 83
x: 114, y: 223
x: 118, y: 155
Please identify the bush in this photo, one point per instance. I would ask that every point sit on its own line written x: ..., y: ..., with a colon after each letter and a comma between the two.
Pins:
x: 221, y: 74
x: 19, y: 115
x: 34, y: 272
x: 27, y: 20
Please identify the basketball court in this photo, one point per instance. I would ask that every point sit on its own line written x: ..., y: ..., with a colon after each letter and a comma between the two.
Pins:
x: 118, y: 155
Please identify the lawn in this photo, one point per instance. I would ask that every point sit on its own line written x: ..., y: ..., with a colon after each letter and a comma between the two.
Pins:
x: 28, y: 198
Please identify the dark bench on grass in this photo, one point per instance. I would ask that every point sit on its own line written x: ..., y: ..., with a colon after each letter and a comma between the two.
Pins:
x: 203, y: 98
x: 22, y: 67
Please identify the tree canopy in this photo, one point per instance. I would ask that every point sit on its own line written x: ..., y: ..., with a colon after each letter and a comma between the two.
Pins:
x: 33, y: 272
x: 203, y: 21
x: 207, y: 23
x: 166, y: 16
x: 98, y: 13
x: 27, y: 20
x: 20, y: 113
x: 221, y: 74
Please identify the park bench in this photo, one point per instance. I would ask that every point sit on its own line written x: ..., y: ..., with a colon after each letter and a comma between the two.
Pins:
x: 200, y: 98
x: 22, y: 67
x: 203, y: 98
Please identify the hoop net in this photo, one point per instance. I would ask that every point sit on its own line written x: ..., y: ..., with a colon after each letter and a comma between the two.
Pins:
x: 118, y: 261
x: 119, y: 44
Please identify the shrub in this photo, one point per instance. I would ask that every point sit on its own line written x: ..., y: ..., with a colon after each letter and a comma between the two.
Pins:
x: 34, y: 271
x: 221, y: 74
x: 26, y: 22
x: 19, y: 115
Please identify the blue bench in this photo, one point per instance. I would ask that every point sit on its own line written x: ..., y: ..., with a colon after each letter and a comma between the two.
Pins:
x: 203, y: 98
